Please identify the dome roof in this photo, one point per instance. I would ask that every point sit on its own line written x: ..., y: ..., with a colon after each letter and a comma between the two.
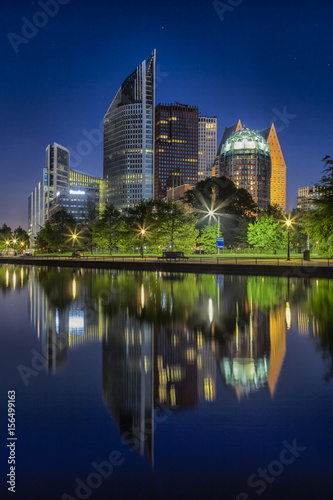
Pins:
x: 245, y: 139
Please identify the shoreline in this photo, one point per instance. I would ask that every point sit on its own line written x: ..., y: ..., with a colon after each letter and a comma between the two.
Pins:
x: 235, y: 266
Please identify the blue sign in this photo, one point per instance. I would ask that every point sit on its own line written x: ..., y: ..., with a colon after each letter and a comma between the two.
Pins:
x: 220, y: 242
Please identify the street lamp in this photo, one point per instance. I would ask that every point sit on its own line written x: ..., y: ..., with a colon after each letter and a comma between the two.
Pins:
x: 212, y: 213
x: 7, y: 243
x: 74, y: 241
x: 142, y: 238
x: 288, y: 222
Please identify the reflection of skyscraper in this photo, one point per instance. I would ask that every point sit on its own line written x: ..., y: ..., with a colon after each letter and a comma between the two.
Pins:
x: 185, y: 368
x: 61, y: 320
x: 128, y: 373
x: 277, y: 333
x: 244, y: 358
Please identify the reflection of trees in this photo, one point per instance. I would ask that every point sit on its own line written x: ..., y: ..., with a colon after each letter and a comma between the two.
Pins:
x: 267, y: 292
x: 319, y: 305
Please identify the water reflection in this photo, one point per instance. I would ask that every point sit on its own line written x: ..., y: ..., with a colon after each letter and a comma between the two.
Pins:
x: 168, y: 340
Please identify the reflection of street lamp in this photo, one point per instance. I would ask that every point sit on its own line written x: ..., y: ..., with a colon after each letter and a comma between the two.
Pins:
x: 288, y: 222
x: 288, y: 316
x: 142, y: 237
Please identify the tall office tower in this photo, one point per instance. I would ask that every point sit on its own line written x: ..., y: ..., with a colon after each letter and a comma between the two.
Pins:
x: 55, y: 174
x: 176, y: 147
x: 128, y: 165
x: 245, y: 159
x: 306, y: 198
x: 279, y: 169
x: 207, y: 146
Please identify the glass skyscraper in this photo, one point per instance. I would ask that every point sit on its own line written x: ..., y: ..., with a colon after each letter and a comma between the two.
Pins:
x: 128, y: 166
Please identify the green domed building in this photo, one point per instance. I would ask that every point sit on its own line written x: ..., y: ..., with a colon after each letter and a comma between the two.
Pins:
x: 245, y: 158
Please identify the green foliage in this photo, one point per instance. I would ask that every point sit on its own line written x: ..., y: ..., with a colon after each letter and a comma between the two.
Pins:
x: 266, y: 233
x: 233, y: 205
x: 208, y: 238
x: 319, y: 221
x: 106, y: 231
x: 56, y: 235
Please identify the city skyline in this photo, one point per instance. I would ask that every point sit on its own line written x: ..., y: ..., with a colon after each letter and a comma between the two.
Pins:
x: 282, y: 73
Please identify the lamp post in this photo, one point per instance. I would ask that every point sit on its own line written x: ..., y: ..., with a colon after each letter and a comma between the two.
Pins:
x: 74, y: 241
x: 288, y: 222
x: 7, y: 243
x: 211, y: 213
x: 142, y: 238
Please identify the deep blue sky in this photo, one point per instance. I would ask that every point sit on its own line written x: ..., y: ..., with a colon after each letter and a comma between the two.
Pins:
x: 264, y: 56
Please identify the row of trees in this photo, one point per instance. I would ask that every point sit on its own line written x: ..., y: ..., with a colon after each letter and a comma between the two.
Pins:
x: 214, y: 206
x: 17, y: 240
x: 154, y: 224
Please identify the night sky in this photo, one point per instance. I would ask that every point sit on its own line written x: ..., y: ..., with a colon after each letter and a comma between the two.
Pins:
x: 258, y: 61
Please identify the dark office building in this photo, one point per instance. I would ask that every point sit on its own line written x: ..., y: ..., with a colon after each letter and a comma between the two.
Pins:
x: 176, y: 147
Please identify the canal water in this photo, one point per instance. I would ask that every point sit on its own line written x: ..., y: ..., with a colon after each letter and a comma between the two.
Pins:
x: 137, y: 385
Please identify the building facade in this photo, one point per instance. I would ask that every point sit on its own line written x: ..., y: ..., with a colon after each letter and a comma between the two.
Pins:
x: 176, y: 147
x: 55, y: 174
x: 207, y: 146
x: 306, y: 198
x: 62, y: 187
x: 128, y: 162
x: 245, y: 159
x: 279, y: 169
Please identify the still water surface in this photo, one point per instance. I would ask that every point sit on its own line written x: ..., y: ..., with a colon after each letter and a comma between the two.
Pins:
x: 149, y: 385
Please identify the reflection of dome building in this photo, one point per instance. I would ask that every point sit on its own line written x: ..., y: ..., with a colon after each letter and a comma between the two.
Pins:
x: 245, y: 374
x: 253, y: 357
x: 245, y: 158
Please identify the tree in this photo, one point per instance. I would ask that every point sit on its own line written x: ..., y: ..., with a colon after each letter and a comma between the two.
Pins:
x: 319, y: 221
x: 5, y: 235
x: 171, y: 226
x: 266, y: 233
x: 208, y: 238
x: 140, y: 218
x: 56, y: 235
x: 106, y: 230
x: 90, y: 220
x: 22, y: 238
x: 221, y: 196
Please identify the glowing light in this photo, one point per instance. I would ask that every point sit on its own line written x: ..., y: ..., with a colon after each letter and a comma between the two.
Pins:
x: 71, y: 191
x: 210, y: 310
x: 288, y: 222
x: 142, y: 296
x: 288, y: 316
x: 7, y: 278
x: 74, y: 288
x: 14, y: 281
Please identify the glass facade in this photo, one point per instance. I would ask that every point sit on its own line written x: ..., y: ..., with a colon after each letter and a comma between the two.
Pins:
x: 176, y: 147
x: 207, y: 146
x: 128, y: 163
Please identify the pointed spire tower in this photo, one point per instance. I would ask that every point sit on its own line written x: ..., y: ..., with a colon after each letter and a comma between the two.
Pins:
x: 279, y: 169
